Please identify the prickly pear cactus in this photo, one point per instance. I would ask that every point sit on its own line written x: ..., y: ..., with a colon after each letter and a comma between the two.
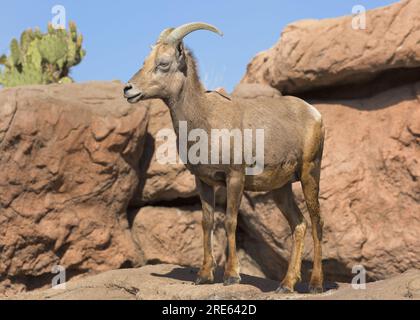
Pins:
x: 42, y: 58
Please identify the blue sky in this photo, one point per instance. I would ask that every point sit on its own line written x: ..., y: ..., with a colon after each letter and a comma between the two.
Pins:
x: 118, y: 34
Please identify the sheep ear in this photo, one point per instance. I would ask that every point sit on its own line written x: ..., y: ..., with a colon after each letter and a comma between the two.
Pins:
x: 180, y: 51
x: 180, y: 57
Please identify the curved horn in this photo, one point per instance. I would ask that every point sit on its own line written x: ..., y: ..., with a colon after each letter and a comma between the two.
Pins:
x: 164, y: 34
x: 179, y: 33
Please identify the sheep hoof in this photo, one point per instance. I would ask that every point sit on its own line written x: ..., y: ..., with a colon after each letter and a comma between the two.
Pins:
x: 283, y: 289
x: 231, y: 280
x: 203, y: 280
x: 316, y: 289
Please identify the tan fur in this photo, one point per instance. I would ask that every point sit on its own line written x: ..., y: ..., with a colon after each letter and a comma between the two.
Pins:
x: 294, y: 137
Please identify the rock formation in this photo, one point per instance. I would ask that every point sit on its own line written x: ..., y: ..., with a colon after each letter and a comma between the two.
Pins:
x: 171, y: 282
x: 68, y: 158
x: 319, y: 54
x: 80, y: 185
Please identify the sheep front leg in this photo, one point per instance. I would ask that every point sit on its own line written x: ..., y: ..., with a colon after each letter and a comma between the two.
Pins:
x: 206, y: 273
x: 234, y: 188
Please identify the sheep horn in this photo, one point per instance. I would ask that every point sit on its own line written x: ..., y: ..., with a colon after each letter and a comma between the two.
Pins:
x: 179, y: 33
x: 163, y: 35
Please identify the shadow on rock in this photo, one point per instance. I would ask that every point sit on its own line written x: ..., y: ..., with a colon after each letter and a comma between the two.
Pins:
x: 264, y: 285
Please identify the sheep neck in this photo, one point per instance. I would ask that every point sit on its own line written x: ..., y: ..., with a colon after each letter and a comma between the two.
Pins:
x: 190, y: 104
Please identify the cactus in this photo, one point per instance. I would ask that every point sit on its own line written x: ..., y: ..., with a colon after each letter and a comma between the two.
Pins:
x: 42, y: 58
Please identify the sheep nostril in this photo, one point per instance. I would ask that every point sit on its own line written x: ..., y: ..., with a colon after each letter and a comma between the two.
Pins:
x: 127, y: 87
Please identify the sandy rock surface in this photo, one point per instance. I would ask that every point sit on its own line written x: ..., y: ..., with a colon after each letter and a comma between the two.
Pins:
x: 174, y: 283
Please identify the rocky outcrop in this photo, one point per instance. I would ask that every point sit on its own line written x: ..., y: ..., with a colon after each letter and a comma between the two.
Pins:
x: 161, y: 182
x: 370, y: 197
x: 81, y: 187
x: 173, y: 235
x: 318, y: 54
x: 68, y: 156
x: 370, y: 178
x: 366, y: 85
x: 171, y: 282
x: 370, y: 190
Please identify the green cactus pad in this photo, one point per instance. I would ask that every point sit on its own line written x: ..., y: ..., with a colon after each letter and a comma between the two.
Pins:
x: 42, y: 58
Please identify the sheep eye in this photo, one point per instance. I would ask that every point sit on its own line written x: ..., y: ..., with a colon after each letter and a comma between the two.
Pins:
x: 163, y: 66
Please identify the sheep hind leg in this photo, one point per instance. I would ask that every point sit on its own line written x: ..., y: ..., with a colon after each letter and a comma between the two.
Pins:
x: 234, y: 189
x: 310, y: 186
x: 285, y: 201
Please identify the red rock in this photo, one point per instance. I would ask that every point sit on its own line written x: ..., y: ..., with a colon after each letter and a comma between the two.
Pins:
x: 315, y: 54
x: 160, y: 182
x: 67, y: 154
x: 174, y: 235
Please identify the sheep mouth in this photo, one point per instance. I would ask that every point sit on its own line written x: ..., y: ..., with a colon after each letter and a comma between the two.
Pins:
x: 135, y: 98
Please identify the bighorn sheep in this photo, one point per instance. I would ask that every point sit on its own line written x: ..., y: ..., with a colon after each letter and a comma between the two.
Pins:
x: 293, y: 144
